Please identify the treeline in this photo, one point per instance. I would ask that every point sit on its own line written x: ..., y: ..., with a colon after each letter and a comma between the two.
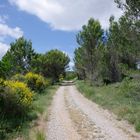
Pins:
x: 107, y: 56
x: 21, y: 59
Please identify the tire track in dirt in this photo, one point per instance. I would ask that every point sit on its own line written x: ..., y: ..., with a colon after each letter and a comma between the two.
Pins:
x: 85, y: 127
x: 60, y: 126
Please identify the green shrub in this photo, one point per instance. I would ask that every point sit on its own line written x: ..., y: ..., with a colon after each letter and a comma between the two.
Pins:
x: 130, y: 89
x: 40, y: 135
x: 15, y: 105
x: 137, y: 126
x: 18, y: 77
x: 35, y: 81
x: 2, y: 85
x: 61, y: 77
x: 70, y: 75
x: 15, y: 98
x: 48, y: 82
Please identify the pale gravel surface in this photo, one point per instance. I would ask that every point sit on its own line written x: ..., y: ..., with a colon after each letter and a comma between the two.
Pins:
x: 73, y: 117
x: 60, y: 126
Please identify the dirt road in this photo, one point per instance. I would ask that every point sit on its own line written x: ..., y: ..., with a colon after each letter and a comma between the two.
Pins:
x: 73, y: 117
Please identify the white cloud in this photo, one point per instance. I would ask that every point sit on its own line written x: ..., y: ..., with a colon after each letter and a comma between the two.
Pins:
x: 69, y: 14
x: 3, y: 49
x: 5, y: 30
x: 71, y: 65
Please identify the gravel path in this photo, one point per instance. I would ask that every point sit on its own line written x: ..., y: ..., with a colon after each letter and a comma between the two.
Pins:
x: 73, y: 117
x: 60, y: 126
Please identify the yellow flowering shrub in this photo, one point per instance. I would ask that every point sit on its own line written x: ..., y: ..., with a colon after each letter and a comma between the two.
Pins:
x: 15, y: 98
x: 35, y: 81
x: 25, y: 95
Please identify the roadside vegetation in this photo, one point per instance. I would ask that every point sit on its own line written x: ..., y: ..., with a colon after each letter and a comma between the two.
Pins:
x: 123, y: 99
x: 37, y: 128
x: 70, y: 75
x: 21, y: 105
x: 107, y: 62
x: 27, y: 84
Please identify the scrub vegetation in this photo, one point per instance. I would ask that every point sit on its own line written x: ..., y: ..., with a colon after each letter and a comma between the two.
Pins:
x: 27, y: 84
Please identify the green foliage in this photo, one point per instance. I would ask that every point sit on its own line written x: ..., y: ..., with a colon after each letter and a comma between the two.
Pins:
x: 11, y: 126
x: 79, y: 63
x: 2, y: 85
x: 128, y: 31
x: 130, y: 89
x: 132, y: 7
x: 110, y: 69
x: 122, y: 39
x: 15, y: 103
x: 41, y: 107
x: 70, y: 75
x: 86, y: 90
x: 48, y: 82
x: 137, y: 126
x: 3, y: 70
x: 89, y: 40
x: 40, y: 136
x: 18, y: 77
x: 52, y: 64
x: 15, y: 98
x: 18, y: 58
x: 36, y: 82
x: 61, y: 78
x: 109, y: 62
x: 39, y: 64
x: 57, y: 62
x: 21, y: 58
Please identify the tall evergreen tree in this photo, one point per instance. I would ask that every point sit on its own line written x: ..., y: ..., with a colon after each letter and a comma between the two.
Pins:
x: 52, y: 64
x: 18, y: 58
x: 90, y: 39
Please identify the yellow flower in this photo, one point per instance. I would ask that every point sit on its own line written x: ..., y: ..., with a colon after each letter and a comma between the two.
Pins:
x: 25, y: 95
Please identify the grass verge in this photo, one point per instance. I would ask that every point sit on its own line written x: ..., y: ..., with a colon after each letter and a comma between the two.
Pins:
x: 41, y: 108
x: 40, y: 136
x: 123, y: 99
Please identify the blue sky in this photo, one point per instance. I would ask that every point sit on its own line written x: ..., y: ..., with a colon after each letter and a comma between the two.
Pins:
x: 50, y: 24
